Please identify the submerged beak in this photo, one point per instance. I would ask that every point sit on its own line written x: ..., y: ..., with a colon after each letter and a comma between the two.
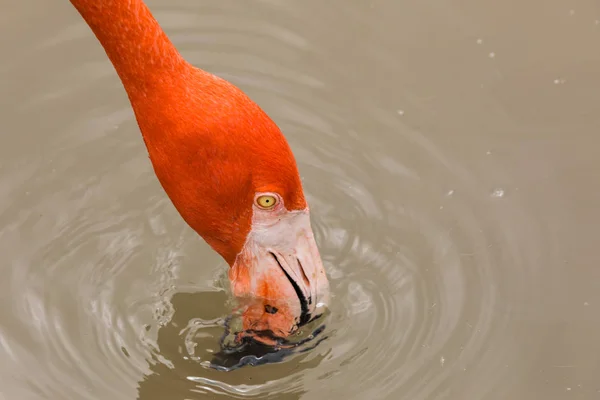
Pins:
x: 281, y: 274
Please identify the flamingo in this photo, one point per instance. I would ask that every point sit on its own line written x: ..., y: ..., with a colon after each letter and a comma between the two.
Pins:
x: 225, y: 166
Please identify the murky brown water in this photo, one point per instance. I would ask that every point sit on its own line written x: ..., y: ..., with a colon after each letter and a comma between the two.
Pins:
x: 450, y: 156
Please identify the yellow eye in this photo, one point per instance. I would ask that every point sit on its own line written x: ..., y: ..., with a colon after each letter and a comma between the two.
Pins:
x: 266, y: 201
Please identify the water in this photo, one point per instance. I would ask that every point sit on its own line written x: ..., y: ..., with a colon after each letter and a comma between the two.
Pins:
x: 449, y: 154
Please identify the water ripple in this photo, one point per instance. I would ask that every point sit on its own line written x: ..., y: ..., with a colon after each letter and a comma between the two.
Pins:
x: 115, y: 296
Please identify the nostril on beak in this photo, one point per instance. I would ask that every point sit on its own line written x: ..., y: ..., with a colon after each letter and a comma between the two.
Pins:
x: 270, y: 309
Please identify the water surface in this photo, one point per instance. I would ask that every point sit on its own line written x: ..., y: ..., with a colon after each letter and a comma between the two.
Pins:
x: 449, y: 151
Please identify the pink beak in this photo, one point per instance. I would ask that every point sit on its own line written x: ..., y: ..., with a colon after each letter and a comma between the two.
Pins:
x: 281, y: 273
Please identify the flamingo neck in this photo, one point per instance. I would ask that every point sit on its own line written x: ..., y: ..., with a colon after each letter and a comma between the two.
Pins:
x: 139, y: 49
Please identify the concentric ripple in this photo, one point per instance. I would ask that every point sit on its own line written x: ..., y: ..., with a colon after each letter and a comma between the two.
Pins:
x: 110, y: 295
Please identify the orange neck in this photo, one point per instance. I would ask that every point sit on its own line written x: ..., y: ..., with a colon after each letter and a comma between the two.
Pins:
x: 136, y: 45
x: 148, y: 64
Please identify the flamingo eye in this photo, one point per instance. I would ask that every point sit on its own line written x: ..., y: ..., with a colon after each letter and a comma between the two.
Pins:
x: 266, y: 201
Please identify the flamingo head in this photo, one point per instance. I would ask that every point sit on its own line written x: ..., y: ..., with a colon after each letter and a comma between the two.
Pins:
x: 224, y: 164
x: 232, y: 176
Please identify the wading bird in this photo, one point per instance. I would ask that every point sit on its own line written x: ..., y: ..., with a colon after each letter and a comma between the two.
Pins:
x: 224, y: 164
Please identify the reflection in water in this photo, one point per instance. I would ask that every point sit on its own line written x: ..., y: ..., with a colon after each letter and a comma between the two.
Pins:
x: 454, y: 200
x: 250, y: 352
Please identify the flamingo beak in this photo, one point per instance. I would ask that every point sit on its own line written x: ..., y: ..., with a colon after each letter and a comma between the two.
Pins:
x: 281, y: 274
